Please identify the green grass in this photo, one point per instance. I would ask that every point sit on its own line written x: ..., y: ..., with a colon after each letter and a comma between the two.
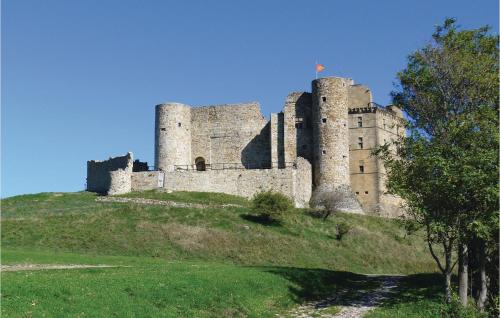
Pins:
x: 76, y: 223
x: 156, y: 288
x: 190, y: 197
x: 189, y: 262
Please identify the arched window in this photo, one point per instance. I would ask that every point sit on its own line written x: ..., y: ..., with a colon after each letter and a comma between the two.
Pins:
x: 200, y: 164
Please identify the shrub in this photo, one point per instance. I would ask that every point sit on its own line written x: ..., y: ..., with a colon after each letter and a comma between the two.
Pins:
x: 327, y: 202
x: 342, y: 229
x: 456, y: 310
x: 271, y: 205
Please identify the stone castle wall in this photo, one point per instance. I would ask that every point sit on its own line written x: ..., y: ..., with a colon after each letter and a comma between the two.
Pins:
x: 147, y: 180
x: 236, y: 133
x: 112, y: 176
x: 294, y: 182
x: 297, y: 127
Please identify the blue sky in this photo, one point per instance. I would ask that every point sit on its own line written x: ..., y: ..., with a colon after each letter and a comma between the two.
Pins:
x: 80, y: 78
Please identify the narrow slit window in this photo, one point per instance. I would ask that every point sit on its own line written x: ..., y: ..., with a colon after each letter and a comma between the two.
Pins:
x: 324, y: 152
x: 360, y: 142
x: 179, y: 124
x: 323, y: 98
x: 385, y: 126
x: 360, y: 121
x: 163, y: 129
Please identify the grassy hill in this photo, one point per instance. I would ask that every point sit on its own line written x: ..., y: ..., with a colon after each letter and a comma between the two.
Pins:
x: 210, y: 261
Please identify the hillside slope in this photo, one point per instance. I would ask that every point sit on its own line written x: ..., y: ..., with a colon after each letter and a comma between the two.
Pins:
x: 76, y: 222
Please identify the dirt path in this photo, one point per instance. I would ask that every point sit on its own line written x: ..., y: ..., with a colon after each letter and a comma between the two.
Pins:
x: 162, y: 202
x: 350, y: 307
x: 36, y: 267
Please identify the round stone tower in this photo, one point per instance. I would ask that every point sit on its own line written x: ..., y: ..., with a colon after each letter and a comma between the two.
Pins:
x: 331, y: 139
x: 172, y: 136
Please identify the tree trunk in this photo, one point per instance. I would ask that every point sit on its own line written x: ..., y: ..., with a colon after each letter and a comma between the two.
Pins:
x: 448, y: 287
x: 463, y: 266
x: 447, y: 272
x: 483, y: 288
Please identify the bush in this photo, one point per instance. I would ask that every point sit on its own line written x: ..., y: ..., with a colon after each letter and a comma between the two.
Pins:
x: 271, y: 205
x: 342, y: 229
x: 327, y: 202
x: 455, y: 310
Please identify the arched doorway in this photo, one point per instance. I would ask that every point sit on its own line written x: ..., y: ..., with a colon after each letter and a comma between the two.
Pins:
x: 200, y: 164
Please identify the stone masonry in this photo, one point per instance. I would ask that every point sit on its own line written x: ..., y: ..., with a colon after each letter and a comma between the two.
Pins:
x: 321, y: 141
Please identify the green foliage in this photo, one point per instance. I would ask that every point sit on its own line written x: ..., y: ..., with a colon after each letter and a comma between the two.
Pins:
x: 342, y: 229
x: 271, y: 205
x: 447, y: 168
x: 454, y: 309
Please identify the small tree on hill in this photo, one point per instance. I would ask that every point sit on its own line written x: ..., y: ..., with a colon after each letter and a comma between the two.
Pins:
x: 328, y: 202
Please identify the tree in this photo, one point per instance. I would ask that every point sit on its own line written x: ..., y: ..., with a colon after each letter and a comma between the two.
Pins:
x: 447, y: 168
x: 328, y: 201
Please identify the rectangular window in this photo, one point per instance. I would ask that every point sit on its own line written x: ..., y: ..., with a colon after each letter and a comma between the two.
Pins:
x: 323, y: 120
x: 299, y: 123
x: 360, y: 121
x: 362, y: 169
x: 360, y: 142
x: 366, y: 192
x: 323, y: 98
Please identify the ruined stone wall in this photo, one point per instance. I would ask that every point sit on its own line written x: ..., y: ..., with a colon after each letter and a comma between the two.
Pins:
x: 302, y: 182
x: 290, y: 181
x: 297, y: 126
x: 274, y: 140
x: 147, y: 180
x: 172, y: 136
x: 112, y: 176
x: 359, y: 96
x: 230, y: 134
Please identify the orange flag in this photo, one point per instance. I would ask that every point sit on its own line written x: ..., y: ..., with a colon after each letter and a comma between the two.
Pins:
x: 319, y: 67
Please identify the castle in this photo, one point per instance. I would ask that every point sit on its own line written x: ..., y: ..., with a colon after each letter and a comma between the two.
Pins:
x: 321, y: 141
